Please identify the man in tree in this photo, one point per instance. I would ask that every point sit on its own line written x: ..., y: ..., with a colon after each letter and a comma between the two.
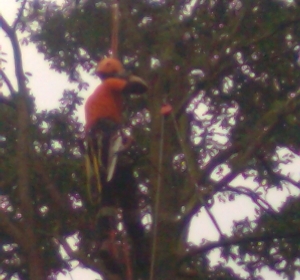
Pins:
x: 103, y: 112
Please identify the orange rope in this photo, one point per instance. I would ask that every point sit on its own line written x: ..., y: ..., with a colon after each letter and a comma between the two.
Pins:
x: 1, y: 82
x: 127, y: 259
x: 115, y: 29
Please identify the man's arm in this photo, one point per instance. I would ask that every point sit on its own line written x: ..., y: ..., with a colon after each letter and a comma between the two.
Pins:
x: 127, y: 84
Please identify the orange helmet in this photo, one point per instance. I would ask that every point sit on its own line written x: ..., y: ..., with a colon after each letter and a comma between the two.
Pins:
x: 109, y: 67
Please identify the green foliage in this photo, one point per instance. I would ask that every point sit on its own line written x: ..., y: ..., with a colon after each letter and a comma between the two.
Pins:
x: 278, y: 246
x: 57, y: 154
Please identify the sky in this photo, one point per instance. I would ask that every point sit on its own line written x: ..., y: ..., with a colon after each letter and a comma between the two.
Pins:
x: 47, y: 87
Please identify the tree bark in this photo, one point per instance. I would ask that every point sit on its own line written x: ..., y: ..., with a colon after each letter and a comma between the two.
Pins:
x: 23, y: 159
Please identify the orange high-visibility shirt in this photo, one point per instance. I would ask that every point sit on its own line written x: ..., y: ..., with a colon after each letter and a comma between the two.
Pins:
x: 105, y: 102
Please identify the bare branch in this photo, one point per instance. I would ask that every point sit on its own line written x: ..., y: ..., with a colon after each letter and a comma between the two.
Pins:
x: 17, y: 55
x: 7, y: 82
x: 213, y: 219
x: 256, y: 198
x: 4, y: 99
x: 226, y: 180
x: 282, y: 177
x: 239, y: 162
x: 82, y: 257
x: 21, y: 10
x: 278, y: 28
x: 52, y: 190
x: 234, y: 241
x: 23, y: 156
x: 263, y: 130
x: 277, y: 175
x: 7, y: 29
x: 10, y: 229
x: 221, y: 157
x: 197, y: 201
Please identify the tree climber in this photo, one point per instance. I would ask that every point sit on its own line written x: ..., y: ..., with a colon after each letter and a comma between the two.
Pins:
x: 103, y: 113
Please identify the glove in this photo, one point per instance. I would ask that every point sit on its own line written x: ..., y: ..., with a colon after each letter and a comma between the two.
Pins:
x: 135, y: 85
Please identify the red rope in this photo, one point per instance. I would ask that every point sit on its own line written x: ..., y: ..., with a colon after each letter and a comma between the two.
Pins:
x: 115, y: 29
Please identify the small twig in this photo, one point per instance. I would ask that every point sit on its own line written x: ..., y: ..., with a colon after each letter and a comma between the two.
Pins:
x: 70, y: 275
x: 10, y: 32
x: 7, y: 82
x: 277, y: 175
x: 282, y: 177
x: 200, y: 201
x: 234, y: 241
x: 21, y: 10
x: 279, y: 27
x: 81, y: 257
x: 213, y: 219
x: 254, y: 197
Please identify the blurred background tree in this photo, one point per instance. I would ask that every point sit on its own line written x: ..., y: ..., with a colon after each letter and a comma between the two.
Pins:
x: 230, y: 70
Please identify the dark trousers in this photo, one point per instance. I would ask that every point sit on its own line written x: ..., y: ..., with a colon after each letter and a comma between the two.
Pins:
x: 120, y: 192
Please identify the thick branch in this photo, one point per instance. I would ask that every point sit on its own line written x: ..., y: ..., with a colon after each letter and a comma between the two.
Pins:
x: 197, y: 201
x: 17, y: 54
x: 11, y: 230
x: 58, y: 199
x: 240, y: 162
x: 6, y: 101
x: 34, y: 258
x: 82, y: 258
x: 23, y: 124
x: 221, y: 157
x: 282, y: 177
x: 234, y: 241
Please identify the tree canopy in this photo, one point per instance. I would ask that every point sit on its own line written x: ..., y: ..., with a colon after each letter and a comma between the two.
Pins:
x: 230, y: 70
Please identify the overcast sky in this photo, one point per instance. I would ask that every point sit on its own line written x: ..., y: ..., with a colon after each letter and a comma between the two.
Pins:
x: 46, y: 85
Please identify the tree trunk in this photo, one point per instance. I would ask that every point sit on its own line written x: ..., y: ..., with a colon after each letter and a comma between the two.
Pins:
x: 35, y: 265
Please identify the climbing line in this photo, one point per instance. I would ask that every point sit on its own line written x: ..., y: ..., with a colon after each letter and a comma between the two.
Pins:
x: 93, y: 165
x: 157, y: 199
x: 115, y: 28
x: 94, y: 152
